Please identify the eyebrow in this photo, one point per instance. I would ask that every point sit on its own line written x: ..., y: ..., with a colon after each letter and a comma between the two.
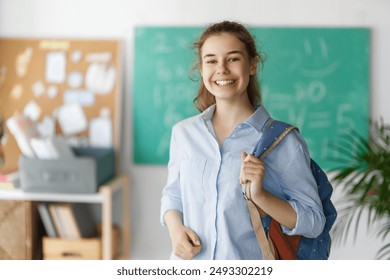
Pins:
x: 231, y: 52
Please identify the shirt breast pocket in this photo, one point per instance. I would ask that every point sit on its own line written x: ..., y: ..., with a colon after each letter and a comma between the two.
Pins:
x: 192, y: 180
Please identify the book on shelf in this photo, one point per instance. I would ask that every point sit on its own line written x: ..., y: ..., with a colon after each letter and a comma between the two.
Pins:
x: 47, y: 220
x: 58, y: 224
x: 8, y: 179
x: 7, y: 186
x: 72, y: 220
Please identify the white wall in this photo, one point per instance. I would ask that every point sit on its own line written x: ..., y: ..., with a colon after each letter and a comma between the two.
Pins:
x: 116, y: 19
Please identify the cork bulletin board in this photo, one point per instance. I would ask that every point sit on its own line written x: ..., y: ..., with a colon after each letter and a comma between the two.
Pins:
x: 38, y: 77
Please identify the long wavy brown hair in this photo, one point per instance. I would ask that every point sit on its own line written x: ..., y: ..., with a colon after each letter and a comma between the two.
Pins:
x: 205, y: 99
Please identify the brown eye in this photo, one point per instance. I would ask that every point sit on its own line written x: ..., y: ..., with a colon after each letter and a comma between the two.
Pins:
x: 234, y: 59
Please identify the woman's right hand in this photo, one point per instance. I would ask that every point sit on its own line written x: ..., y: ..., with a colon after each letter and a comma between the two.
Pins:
x: 185, y: 242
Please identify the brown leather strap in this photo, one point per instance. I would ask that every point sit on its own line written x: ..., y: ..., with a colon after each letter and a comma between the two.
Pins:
x: 277, y: 141
x: 266, y: 246
x: 268, y: 252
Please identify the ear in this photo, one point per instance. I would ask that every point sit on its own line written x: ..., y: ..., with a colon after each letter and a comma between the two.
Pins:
x: 200, y: 69
x: 254, y: 63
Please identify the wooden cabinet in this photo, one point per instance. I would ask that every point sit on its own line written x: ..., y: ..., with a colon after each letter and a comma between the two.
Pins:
x: 104, y: 197
x: 20, y: 235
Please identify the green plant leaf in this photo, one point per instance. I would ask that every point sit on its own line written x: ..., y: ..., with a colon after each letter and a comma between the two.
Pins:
x: 384, y: 252
x: 364, y: 175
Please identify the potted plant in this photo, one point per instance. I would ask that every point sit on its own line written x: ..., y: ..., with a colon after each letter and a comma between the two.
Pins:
x: 364, y: 174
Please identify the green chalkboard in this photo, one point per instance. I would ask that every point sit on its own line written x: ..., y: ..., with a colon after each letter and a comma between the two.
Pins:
x: 314, y: 78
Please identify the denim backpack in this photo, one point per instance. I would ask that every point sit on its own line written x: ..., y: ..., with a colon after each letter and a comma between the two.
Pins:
x: 309, y: 248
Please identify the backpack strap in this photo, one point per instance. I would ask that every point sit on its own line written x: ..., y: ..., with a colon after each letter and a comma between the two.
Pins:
x: 266, y: 248
x: 273, y: 134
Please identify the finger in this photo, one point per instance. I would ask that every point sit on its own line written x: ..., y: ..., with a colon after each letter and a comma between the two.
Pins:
x: 252, y: 158
x: 196, y: 250
x: 249, y: 177
x: 185, y: 255
x: 243, y: 181
x: 188, y: 255
x: 250, y: 171
x: 182, y: 253
x: 255, y: 169
x: 253, y: 163
x: 252, y: 178
x: 193, y: 238
x: 243, y: 156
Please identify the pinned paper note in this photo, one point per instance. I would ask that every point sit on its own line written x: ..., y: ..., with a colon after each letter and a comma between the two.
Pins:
x: 22, y: 62
x: 16, y: 91
x: 81, y: 96
x: 75, y: 79
x: 32, y: 110
x: 52, y: 92
x: 76, y: 56
x: 58, y: 45
x: 100, y: 130
x: 3, y: 75
x: 100, y: 77
x: 102, y: 57
x: 46, y: 127
x: 71, y: 118
x: 38, y: 88
x: 55, y: 67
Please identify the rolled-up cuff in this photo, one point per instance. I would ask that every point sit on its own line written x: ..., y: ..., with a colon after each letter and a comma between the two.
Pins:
x: 308, y: 224
x: 169, y: 204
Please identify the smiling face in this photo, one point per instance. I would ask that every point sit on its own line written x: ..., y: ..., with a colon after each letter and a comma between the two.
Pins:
x: 226, y: 67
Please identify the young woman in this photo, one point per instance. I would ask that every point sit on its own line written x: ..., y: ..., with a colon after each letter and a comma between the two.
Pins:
x: 210, y: 157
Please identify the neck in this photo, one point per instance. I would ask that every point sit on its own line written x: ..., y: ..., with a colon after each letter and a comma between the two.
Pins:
x: 227, y: 116
x: 232, y: 114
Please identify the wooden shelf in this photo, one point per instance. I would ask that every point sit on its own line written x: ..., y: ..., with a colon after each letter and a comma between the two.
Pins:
x: 53, y: 197
x: 103, y: 197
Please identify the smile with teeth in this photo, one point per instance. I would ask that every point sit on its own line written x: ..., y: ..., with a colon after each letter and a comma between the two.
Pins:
x: 225, y: 82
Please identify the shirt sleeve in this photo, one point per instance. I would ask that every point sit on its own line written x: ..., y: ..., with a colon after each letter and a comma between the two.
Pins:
x: 171, y: 195
x: 300, y: 188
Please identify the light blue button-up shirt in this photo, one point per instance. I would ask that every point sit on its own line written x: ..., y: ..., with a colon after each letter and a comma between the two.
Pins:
x: 203, y: 184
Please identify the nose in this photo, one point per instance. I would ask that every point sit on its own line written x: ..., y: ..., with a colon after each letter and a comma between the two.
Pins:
x: 221, y: 68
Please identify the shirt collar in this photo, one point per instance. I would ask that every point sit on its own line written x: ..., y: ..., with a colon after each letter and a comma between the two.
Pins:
x: 207, y: 114
x: 256, y: 120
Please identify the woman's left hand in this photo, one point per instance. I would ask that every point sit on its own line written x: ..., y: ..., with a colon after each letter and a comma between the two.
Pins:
x: 252, y: 171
